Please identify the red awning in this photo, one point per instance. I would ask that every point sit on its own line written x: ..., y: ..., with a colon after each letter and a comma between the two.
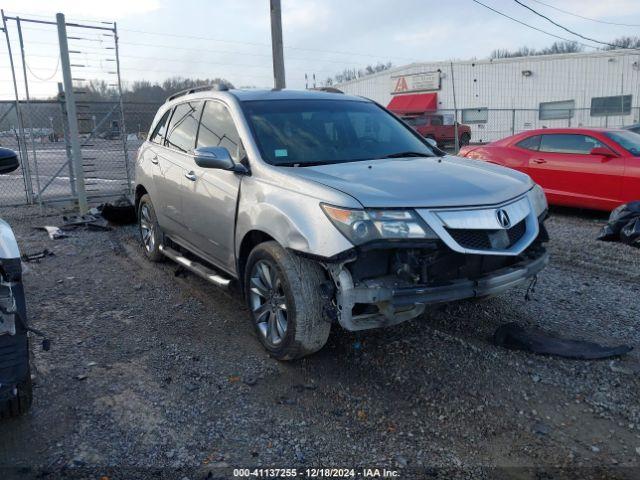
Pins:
x: 413, y: 103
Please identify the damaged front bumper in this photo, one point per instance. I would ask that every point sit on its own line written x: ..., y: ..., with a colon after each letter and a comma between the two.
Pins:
x: 393, y: 302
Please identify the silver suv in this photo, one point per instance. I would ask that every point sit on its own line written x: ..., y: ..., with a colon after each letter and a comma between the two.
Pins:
x: 327, y: 208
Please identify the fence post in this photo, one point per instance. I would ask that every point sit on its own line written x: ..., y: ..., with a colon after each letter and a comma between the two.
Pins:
x: 123, y: 132
x: 72, y: 115
x: 22, y: 144
x: 67, y: 144
x: 513, y: 121
x: 29, y: 113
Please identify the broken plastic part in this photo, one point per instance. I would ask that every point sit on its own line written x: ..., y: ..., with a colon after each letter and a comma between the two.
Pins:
x: 516, y: 337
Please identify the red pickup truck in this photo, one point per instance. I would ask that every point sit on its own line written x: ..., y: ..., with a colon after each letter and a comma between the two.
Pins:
x: 440, y: 127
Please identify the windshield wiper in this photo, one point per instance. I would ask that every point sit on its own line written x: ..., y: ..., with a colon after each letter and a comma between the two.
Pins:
x: 407, y: 154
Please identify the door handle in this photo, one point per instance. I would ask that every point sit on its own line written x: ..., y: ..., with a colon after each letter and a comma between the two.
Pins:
x: 539, y: 160
x: 154, y: 159
x: 190, y: 176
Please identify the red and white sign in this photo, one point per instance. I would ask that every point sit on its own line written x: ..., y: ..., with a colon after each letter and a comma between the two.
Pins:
x: 415, y: 82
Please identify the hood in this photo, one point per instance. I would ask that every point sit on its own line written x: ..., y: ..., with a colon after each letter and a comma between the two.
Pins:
x: 420, y: 182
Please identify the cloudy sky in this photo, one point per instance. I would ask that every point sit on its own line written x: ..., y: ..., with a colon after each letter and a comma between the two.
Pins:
x: 231, y: 38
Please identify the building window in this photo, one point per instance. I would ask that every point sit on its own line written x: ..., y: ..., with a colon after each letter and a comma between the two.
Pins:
x: 556, y: 110
x: 618, y: 105
x: 475, y: 115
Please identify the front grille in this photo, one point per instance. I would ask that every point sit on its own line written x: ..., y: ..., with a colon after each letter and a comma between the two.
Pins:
x: 481, y: 239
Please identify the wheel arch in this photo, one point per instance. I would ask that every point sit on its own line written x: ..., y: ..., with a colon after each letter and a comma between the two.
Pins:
x: 140, y: 191
x: 251, y: 240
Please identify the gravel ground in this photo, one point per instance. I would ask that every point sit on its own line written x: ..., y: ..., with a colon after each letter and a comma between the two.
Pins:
x: 153, y: 371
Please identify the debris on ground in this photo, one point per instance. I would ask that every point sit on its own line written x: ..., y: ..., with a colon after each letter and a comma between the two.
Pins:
x: 91, y: 222
x: 623, y: 225
x: 54, y: 232
x: 516, y: 337
x: 120, y: 212
x: 36, y: 257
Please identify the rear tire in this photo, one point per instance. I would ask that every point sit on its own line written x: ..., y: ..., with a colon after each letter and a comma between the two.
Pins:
x: 150, y: 233
x: 465, y: 138
x: 283, y: 294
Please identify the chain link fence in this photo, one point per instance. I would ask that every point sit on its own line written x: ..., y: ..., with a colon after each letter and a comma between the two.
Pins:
x: 46, y: 173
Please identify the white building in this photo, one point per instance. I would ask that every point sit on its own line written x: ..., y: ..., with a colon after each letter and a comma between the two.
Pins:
x: 498, y: 97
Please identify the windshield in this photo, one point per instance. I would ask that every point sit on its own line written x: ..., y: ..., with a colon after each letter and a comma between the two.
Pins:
x: 305, y: 132
x: 628, y: 140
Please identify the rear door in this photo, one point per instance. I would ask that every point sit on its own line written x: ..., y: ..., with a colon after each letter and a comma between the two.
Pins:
x: 174, y: 161
x: 570, y: 175
x: 211, y: 195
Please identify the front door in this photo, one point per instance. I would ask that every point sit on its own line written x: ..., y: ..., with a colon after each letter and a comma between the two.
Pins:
x: 210, y: 195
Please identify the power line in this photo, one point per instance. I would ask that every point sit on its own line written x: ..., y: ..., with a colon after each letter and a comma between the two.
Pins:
x: 532, y: 27
x: 587, y: 18
x: 565, y: 28
x: 195, y: 37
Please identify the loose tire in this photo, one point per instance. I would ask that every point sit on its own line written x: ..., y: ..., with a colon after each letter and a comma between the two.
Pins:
x: 150, y: 233
x: 282, y: 292
x: 20, y: 404
x: 465, y: 138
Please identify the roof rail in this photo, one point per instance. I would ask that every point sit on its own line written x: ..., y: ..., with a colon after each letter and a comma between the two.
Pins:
x: 218, y: 87
x: 328, y: 89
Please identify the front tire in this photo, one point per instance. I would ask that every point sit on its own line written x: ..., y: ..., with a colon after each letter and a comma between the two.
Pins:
x: 150, y: 232
x: 465, y: 138
x: 282, y: 292
x: 21, y: 403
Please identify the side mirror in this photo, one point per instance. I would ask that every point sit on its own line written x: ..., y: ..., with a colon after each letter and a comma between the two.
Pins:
x: 8, y: 160
x: 603, y: 152
x: 432, y: 142
x: 213, y: 157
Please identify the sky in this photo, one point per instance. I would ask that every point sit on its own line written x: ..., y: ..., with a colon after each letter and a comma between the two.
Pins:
x: 231, y: 38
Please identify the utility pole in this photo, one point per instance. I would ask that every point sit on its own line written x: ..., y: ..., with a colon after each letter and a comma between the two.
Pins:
x: 276, y: 45
x: 455, y: 112
x: 72, y: 115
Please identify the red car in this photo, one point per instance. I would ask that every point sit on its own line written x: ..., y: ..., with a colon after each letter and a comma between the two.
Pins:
x: 596, y: 168
x: 439, y: 127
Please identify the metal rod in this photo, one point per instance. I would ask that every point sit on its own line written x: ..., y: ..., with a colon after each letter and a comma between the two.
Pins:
x: 455, y: 110
x: 26, y: 173
x: 67, y: 144
x: 29, y: 113
x: 71, y: 113
x: 276, y: 45
x: 47, y: 22
x: 123, y: 130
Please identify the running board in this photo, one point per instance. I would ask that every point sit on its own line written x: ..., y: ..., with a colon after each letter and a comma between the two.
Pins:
x: 209, y: 275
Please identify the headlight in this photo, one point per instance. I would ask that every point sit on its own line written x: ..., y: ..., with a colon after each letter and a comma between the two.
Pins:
x: 538, y: 200
x: 361, y: 226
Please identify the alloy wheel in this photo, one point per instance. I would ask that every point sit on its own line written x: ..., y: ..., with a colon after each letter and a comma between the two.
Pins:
x: 147, y: 228
x: 268, y: 302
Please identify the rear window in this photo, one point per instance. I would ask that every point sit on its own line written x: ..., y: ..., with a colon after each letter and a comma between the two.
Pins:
x: 183, y: 126
x: 160, y: 130
x: 530, y: 143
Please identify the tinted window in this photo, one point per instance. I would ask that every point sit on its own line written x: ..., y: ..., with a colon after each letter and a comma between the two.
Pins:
x: 218, y: 130
x: 415, y: 121
x: 628, y: 140
x: 618, y: 105
x: 568, y: 143
x: 475, y: 115
x: 183, y: 126
x: 161, y: 129
x: 556, y: 110
x: 531, y: 143
x: 327, y: 131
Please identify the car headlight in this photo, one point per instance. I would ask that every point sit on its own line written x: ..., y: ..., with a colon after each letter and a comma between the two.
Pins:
x: 538, y: 200
x: 362, y: 226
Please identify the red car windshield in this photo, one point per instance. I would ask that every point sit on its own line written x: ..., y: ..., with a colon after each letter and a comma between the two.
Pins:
x: 628, y: 140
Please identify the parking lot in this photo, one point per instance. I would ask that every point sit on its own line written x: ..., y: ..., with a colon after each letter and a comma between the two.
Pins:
x: 150, y: 370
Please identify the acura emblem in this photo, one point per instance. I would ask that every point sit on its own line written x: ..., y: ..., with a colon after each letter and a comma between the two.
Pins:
x: 503, y: 218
